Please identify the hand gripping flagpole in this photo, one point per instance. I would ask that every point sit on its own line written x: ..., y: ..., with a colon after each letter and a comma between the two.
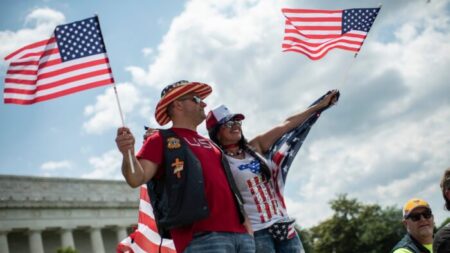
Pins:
x: 130, y: 156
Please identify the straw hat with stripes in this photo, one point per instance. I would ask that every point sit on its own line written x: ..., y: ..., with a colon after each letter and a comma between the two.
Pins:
x: 173, y: 91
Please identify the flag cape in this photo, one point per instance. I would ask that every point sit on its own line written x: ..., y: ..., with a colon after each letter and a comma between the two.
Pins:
x: 284, y: 150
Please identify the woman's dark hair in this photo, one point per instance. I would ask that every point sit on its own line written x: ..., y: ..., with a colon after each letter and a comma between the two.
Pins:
x: 445, y: 186
x: 243, y: 144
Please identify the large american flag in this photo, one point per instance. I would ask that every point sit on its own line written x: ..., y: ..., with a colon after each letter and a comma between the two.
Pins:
x: 145, y: 238
x: 315, y: 32
x: 73, y: 59
x: 281, y: 154
x: 284, y: 150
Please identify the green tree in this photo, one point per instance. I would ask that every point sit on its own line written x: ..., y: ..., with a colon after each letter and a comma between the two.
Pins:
x: 305, y: 237
x: 355, y: 227
x: 66, y: 250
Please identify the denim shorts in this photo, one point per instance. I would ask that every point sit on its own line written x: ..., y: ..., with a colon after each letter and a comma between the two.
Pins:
x: 221, y: 242
x: 265, y: 243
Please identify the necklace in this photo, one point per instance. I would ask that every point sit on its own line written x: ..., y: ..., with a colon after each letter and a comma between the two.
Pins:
x: 235, y: 145
x: 238, y: 152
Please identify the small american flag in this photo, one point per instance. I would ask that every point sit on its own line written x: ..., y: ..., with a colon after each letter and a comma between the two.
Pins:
x: 72, y: 60
x: 315, y: 32
x: 145, y: 238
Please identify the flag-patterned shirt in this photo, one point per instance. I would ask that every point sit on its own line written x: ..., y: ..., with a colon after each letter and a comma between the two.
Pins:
x: 260, y: 202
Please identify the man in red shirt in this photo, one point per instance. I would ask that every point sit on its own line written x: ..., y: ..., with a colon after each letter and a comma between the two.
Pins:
x: 221, y: 229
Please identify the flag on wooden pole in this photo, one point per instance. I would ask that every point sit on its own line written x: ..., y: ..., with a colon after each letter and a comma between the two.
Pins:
x: 315, y: 32
x: 73, y: 59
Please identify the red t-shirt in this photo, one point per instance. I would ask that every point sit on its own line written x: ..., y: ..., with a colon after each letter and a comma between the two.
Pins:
x: 224, y: 215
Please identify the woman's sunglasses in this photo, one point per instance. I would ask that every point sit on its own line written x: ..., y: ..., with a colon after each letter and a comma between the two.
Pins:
x: 231, y: 123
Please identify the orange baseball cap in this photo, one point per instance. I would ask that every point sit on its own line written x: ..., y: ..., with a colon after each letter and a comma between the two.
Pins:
x: 413, y: 204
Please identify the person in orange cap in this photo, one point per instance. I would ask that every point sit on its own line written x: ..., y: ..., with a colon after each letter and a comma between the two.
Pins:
x: 419, y: 223
x: 194, y: 197
x: 441, y: 242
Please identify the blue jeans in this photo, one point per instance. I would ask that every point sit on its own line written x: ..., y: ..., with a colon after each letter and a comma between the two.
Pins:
x: 221, y: 242
x: 265, y: 243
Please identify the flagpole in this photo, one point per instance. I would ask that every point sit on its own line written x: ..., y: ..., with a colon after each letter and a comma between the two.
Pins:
x: 344, y: 80
x: 130, y: 156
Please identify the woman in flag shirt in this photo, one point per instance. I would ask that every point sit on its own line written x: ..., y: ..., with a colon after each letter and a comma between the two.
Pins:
x: 257, y: 168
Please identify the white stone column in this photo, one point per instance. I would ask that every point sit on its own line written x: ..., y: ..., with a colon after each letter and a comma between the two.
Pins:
x: 121, y: 233
x: 35, y: 239
x: 4, y: 242
x: 67, y: 238
x: 96, y: 240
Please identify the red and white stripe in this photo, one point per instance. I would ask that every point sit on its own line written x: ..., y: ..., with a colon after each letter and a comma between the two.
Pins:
x: 146, y: 237
x: 36, y: 73
x: 265, y: 204
x: 315, y: 32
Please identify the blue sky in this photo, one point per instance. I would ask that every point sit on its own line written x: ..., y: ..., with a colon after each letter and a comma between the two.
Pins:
x: 385, y: 142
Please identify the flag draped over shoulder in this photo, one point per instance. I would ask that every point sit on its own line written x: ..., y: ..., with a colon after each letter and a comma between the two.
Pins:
x: 284, y: 150
x: 73, y: 59
x: 145, y: 238
x: 315, y: 32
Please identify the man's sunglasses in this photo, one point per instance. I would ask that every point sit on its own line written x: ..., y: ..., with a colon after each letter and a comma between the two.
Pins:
x: 416, y: 216
x: 195, y: 99
x: 231, y: 123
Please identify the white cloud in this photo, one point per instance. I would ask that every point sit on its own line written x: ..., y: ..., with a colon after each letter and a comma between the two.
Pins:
x: 56, y: 165
x: 106, y: 166
x: 147, y: 51
x: 45, y: 16
x: 104, y: 114
x: 138, y: 75
x: 42, y: 22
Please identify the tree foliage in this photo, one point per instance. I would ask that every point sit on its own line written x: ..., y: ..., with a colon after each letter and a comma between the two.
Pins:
x: 66, y: 250
x: 356, y: 227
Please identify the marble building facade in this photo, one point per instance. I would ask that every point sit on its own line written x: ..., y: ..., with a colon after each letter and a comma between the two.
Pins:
x: 40, y: 215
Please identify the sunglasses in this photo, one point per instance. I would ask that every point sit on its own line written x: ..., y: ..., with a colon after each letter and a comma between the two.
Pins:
x: 195, y: 99
x: 416, y: 216
x: 231, y: 123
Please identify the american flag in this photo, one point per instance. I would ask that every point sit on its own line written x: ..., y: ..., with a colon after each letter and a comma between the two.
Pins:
x: 315, y: 32
x: 73, y: 59
x: 145, y: 238
x: 284, y: 150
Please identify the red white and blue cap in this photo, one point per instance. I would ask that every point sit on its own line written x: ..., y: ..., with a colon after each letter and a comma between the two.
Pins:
x: 173, y: 91
x: 219, y: 116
